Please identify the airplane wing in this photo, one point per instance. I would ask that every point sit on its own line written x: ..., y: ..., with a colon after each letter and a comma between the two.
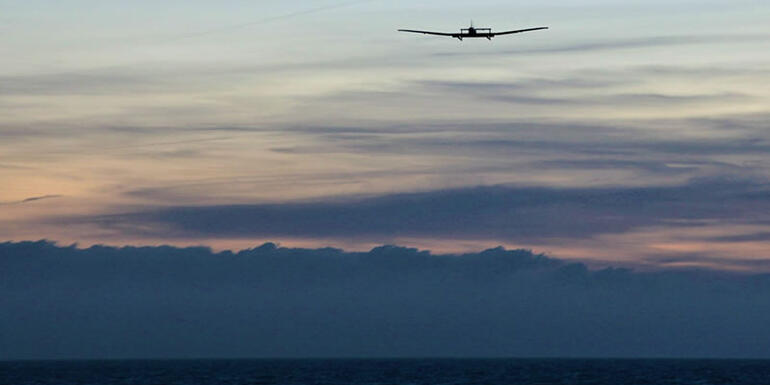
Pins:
x: 518, y: 31
x: 427, y: 32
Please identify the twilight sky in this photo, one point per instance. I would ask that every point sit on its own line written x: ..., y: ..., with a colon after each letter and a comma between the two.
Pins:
x: 632, y: 132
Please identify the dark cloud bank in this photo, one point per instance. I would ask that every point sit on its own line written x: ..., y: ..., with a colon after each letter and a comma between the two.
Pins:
x: 101, y: 302
x: 502, y: 213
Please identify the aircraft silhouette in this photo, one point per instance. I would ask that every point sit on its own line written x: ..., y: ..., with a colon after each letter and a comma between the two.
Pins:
x: 473, y: 32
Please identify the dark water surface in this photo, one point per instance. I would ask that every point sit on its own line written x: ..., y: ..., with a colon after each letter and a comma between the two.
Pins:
x: 416, y: 371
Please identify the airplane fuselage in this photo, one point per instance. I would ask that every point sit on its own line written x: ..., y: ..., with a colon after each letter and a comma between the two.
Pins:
x: 473, y: 33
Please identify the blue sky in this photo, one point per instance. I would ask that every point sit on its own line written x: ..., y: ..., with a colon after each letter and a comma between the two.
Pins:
x: 122, y: 114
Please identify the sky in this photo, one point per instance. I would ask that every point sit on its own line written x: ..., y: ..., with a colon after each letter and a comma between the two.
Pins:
x: 631, y: 133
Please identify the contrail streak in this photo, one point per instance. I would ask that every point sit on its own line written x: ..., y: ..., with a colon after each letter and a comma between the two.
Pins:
x: 30, y: 200
x: 270, y: 19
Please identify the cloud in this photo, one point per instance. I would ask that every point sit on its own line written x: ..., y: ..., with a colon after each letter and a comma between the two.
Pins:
x: 695, y: 147
x: 31, y: 200
x: 166, y: 302
x: 489, y: 139
x: 34, y: 199
x: 578, y: 91
x: 551, y: 91
x: 613, y: 164
x: 96, y: 82
x: 698, y: 72
x: 703, y: 261
x: 638, y: 100
x: 753, y: 237
x: 13, y: 167
x: 527, y: 84
x: 647, y: 151
x: 501, y: 213
x: 629, y: 43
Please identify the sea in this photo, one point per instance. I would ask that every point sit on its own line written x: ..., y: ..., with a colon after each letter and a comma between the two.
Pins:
x: 395, y: 372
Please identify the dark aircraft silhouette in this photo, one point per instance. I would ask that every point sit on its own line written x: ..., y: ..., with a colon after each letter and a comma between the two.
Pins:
x: 473, y: 32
